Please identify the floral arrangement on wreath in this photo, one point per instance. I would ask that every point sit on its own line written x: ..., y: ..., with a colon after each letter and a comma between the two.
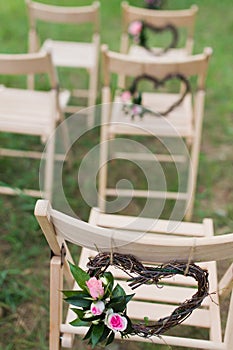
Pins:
x: 102, y: 306
x: 137, y: 31
x: 132, y: 104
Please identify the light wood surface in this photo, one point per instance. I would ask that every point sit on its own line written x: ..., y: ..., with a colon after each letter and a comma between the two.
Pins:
x: 191, y: 242
x: 31, y: 112
x: 73, y: 54
x: 183, y: 122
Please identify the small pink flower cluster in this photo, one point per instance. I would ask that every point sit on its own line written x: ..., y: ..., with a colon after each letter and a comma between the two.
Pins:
x: 130, y: 106
x: 135, y: 30
x: 113, y: 320
x: 126, y: 96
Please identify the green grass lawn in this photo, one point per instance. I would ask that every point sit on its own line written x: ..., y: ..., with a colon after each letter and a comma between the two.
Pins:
x: 24, y: 255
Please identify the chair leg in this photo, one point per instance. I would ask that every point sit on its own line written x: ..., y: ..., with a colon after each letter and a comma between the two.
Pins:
x: 66, y: 141
x: 92, y: 95
x: 103, y: 175
x: 228, y: 338
x: 104, y: 143
x: 195, y: 154
x: 56, y: 286
x: 49, y: 167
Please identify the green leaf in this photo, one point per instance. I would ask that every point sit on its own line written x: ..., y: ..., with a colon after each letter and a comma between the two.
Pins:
x: 71, y: 293
x: 116, y: 299
x: 129, y: 328
x: 79, y: 323
x: 81, y: 314
x: 110, y: 338
x: 109, y: 286
x: 105, y: 333
x: 118, y: 291
x: 88, y: 334
x: 79, y: 275
x: 79, y: 299
x: 78, y: 312
x: 96, y: 334
x: 128, y: 297
x: 118, y: 304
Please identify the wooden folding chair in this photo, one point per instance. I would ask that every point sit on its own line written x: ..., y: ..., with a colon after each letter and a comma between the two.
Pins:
x: 152, y: 242
x: 183, y: 22
x: 78, y: 54
x: 180, y: 19
x: 179, y: 116
x: 28, y: 112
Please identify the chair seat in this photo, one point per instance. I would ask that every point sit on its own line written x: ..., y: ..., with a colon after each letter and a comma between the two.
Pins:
x: 177, y: 122
x: 34, y: 109
x: 71, y: 54
x: 141, y: 52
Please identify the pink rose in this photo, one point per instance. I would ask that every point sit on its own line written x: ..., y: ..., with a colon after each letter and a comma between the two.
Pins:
x: 95, y: 287
x: 116, y: 322
x: 135, y: 28
x: 126, y: 96
x: 97, y: 308
x: 136, y: 110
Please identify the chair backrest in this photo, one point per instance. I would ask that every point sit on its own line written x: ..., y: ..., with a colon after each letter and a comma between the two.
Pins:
x: 118, y: 63
x: 26, y: 64
x: 59, y: 227
x: 160, y: 18
x: 60, y: 14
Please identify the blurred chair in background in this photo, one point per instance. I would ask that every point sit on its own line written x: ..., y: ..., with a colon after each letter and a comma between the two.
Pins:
x: 31, y: 112
x: 70, y: 54
x: 180, y: 24
x: 178, y: 115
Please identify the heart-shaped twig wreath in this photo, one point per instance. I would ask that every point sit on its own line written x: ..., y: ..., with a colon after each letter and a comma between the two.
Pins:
x: 102, y: 306
x: 137, y: 30
x: 132, y: 98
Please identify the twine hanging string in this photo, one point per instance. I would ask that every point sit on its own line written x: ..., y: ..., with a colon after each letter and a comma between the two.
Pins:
x: 140, y: 274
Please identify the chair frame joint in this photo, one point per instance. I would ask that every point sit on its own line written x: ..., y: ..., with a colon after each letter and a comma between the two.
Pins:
x: 63, y: 253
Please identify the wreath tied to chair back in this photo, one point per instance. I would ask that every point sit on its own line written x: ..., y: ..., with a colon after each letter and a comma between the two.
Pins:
x: 137, y: 31
x: 102, y: 306
x: 132, y: 98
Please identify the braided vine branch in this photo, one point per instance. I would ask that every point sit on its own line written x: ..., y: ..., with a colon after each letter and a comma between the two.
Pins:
x: 140, y: 274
